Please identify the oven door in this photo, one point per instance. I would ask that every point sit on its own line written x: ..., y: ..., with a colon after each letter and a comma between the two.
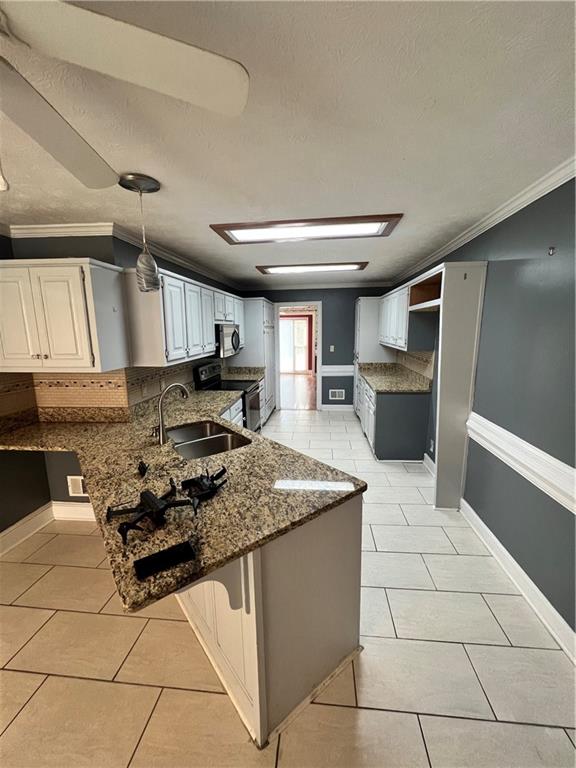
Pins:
x: 252, y: 406
x: 229, y: 339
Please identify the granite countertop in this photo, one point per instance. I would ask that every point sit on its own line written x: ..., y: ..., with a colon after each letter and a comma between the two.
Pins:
x: 393, y: 377
x: 247, y: 513
x: 243, y: 373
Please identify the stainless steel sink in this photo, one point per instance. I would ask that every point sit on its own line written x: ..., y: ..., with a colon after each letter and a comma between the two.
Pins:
x: 196, y: 431
x: 208, y: 446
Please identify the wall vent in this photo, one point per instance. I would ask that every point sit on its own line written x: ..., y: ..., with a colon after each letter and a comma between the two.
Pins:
x: 76, y: 486
x: 336, y: 394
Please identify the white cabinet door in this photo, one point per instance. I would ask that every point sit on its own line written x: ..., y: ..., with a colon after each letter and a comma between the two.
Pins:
x: 19, y: 342
x: 402, y: 318
x: 60, y: 303
x: 371, y: 424
x: 174, y: 306
x: 208, y: 331
x: 193, y: 319
x: 239, y: 318
x: 229, y: 308
x: 219, y: 307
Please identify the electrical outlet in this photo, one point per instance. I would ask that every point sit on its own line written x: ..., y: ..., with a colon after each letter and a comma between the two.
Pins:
x: 432, y: 446
x: 331, y: 347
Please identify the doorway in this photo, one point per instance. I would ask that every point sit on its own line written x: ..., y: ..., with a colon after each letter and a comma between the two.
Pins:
x: 298, y: 355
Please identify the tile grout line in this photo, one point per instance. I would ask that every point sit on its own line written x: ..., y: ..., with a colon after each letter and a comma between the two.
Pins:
x: 391, y: 614
x: 160, y: 692
x: 28, y: 700
x: 373, y: 539
x: 146, y: 622
x: 32, y: 636
x: 496, y: 619
x: 424, y: 741
x: 30, y: 586
x: 52, y: 536
x: 277, y: 757
x: 468, y: 718
x: 354, y: 682
x: 429, y: 574
x: 479, y: 681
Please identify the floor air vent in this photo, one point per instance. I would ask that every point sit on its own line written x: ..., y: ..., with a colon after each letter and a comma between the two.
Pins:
x: 336, y: 394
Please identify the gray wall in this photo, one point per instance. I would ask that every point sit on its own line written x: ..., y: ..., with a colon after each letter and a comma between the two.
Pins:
x: 525, y: 383
x: 337, y: 316
x: 537, y: 531
x: 60, y: 464
x: 23, y: 485
x: 338, y: 382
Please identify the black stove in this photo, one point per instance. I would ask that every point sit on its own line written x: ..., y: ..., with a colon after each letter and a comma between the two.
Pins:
x: 209, y: 377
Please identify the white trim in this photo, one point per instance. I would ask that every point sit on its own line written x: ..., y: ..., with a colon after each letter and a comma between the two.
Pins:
x: 343, y: 407
x: 4, y: 229
x: 547, y: 473
x: 98, y: 229
x: 550, y: 181
x: 429, y: 464
x: 72, y: 510
x: 25, y: 527
x: 555, y: 623
x: 337, y: 370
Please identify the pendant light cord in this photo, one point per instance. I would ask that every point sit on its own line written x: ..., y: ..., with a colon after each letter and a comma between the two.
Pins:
x: 144, y: 243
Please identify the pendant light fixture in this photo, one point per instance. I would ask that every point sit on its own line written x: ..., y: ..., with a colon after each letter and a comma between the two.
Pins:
x: 4, y: 186
x: 147, y: 275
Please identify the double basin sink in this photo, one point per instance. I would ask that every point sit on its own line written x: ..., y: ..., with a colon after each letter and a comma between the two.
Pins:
x: 205, y: 438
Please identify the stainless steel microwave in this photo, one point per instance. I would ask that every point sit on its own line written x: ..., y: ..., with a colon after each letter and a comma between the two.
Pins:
x: 227, y: 339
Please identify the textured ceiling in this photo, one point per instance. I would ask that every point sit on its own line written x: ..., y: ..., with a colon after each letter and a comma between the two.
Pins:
x: 442, y: 111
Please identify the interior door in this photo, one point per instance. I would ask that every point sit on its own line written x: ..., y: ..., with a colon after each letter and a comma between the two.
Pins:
x: 174, y: 306
x: 193, y: 319
x: 60, y: 304
x: 19, y: 342
x: 208, y: 331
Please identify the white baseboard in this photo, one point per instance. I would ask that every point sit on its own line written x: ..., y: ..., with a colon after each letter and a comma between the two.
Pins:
x: 555, y: 623
x: 72, y: 510
x: 12, y: 536
x: 342, y: 407
x: 429, y: 464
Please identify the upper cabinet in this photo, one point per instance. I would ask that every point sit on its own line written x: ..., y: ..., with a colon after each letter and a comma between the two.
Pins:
x: 176, y: 324
x: 404, y: 325
x: 61, y: 315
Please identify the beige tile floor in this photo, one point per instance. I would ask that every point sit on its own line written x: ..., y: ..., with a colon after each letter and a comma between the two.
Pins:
x: 457, y: 671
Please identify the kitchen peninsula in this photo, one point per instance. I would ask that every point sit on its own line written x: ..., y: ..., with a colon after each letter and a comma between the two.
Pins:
x: 273, y: 593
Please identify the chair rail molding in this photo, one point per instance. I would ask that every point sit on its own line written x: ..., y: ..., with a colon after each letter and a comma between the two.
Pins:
x: 550, y: 475
x: 337, y: 370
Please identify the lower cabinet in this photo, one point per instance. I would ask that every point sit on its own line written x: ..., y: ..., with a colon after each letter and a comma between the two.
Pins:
x: 400, y: 426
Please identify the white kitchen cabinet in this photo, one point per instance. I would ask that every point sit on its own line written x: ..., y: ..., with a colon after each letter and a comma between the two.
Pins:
x: 194, y: 327
x: 239, y: 319
x: 229, y: 308
x: 174, y: 305
x: 61, y: 315
x: 219, y: 307
x: 208, y: 330
x: 393, y: 324
x: 176, y: 323
x: 369, y: 425
x: 260, y: 348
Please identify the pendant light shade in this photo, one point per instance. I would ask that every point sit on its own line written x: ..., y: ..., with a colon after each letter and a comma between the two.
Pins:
x: 146, y: 268
x: 147, y: 275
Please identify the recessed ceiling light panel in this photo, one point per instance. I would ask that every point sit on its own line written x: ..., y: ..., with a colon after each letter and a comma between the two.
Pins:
x: 341, y: 227
x: 300, y: 269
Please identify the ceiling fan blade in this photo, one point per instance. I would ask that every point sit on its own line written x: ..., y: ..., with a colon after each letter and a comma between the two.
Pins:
x: 22, y: 103
x: 130, y: 53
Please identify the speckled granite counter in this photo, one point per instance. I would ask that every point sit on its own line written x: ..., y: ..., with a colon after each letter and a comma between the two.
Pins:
x: 247, y: 513
x: 392, y: 377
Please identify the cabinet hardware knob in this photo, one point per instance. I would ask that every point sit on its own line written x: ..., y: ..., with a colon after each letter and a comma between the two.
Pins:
x: 45, y: 357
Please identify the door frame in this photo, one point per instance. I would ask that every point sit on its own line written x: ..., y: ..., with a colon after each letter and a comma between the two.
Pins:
x: 310, y: 338
x: 318, y: 307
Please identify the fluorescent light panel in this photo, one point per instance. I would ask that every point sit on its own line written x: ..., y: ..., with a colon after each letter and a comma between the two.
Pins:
x: 299, y: 269
x: 380, y: 225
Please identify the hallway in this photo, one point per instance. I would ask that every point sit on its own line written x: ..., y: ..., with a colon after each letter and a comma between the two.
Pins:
x: 298, y: 391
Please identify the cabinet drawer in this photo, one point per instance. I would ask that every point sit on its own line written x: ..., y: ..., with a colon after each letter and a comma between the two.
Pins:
x: 235, y: 409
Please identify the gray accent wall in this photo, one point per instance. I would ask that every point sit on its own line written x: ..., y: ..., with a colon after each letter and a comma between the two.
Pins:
x: 337, y: 316
x: 538, y: 532
x: 60, y: 464
x: 338, y: 382
x: 525, y: 384
x: 23, y: 485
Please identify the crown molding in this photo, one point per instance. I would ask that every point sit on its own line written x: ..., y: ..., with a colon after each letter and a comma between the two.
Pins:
x: 316, y: 287
x: 98, y: 229
x: 550, y: 181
